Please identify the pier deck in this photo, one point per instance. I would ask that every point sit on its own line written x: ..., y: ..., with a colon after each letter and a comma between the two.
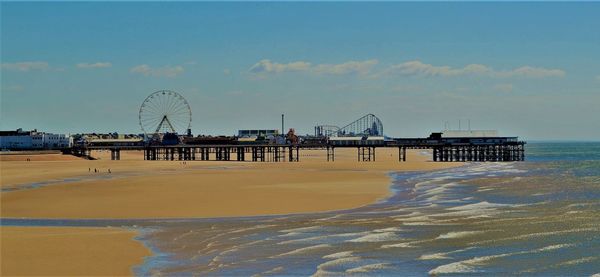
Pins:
x: 490, y: 150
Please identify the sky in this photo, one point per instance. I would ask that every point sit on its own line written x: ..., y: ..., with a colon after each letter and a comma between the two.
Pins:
x: 525, y: 69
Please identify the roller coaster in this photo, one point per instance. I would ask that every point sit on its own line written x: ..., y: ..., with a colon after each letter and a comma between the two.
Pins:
x: 368, y: 125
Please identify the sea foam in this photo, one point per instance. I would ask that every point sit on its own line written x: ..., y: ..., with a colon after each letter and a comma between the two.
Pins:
x: 368, y: 268
x: 460, y: 234
x: 376, y: 237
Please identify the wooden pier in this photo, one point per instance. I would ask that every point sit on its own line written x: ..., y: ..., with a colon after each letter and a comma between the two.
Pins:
x: 255, y: 153
x: 479, y: 153
x: 506, y: 150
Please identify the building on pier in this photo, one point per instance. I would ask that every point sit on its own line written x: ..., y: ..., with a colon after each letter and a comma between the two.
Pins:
x: 210, y: 140
x: 253, y: 133
x: 357, y: 141
x: 469, y: 133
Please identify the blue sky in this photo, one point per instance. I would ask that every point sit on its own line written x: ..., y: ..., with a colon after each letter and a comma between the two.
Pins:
x: 527, y: 69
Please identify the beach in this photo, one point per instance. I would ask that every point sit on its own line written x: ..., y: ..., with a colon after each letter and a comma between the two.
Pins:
x: 62, y: 251
x: 170, y: 189
x: 64, y: 187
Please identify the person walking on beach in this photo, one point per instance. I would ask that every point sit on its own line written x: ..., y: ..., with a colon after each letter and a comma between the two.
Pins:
x: 89, y: 169
x: 95, y: 170
x: 109, y: 171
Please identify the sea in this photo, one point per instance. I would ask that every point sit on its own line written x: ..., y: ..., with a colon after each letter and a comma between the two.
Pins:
x: 540, y: 217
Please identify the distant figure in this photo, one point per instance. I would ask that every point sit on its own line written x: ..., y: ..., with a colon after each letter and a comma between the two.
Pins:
x: 95, y: 170
x: 109, y: 171
x: 89, y: 169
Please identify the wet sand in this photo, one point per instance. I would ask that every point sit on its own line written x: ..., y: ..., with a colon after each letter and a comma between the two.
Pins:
x: 59, y: 251
x: 169, y: 189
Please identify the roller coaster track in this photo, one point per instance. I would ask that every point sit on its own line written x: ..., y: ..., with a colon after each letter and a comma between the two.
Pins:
x: 368, y: 125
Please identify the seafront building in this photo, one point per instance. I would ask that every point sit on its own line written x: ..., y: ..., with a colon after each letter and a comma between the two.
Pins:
x: 256, y: 133
x: 112, y: 139
x: 469, y: 133
x: 33, y: 140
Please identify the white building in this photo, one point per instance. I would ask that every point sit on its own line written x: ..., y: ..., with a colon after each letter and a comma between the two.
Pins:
x: 256, y: 132
x: 20, y: 139
x: 469, y: 133
x: 358, y: 141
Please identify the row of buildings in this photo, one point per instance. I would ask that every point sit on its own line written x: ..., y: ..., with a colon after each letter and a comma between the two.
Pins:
x: 33, y: 140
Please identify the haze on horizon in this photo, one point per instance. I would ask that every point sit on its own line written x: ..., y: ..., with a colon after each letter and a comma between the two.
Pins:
x: 526, y: 69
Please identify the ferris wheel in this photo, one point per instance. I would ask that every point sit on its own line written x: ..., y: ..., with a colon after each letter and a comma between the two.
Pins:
x: 165, y: 111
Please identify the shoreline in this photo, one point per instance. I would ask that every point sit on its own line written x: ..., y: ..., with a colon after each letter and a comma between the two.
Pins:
x: 164, y: 233
x: 290, y: 189
x: 158, y: 190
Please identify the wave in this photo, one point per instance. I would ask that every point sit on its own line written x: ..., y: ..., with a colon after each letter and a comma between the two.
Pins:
x: 302, y: 229
x: 324, y: 269
x: 443, y: 255
x: 399, y: 245
x: 377, y: 237
x: 539, y: 234
x: 479, y: 206
x: 257, y: 227
x: 578, y: 261
x: 460, y: 234
x: 457, y: 267
x: 299, y: 231
x: 304, y: 250
x: 469, y: 266
x: 323, y: 237
x: 555, y: 246
x: 338, y: 255
x: 368, y: 268
x: 434, y: 256
x: 270, y: 271
x: 390, y: 229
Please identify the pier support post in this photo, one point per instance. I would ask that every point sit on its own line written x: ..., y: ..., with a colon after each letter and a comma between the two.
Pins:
x: 292, y: 157
x: 115, y: 154
x: 366, y: 153
x: 402, y: 154
x: 258, y: 153
x: 240, y: 154
x: 330, y: 153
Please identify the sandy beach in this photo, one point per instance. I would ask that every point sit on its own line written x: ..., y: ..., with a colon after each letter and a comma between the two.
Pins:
x: 170, y: 189
x: 57, y: 186
x: 58, y: 251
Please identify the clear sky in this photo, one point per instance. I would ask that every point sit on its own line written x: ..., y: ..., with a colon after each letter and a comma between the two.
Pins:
x: 526, y: 69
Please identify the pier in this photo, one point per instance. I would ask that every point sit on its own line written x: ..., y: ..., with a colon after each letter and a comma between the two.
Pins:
x: 497, y: 149
x: 364, y: 134
x: 255, y: 153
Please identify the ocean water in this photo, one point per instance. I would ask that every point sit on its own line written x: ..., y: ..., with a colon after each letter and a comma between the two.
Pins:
x: 535, y: 218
